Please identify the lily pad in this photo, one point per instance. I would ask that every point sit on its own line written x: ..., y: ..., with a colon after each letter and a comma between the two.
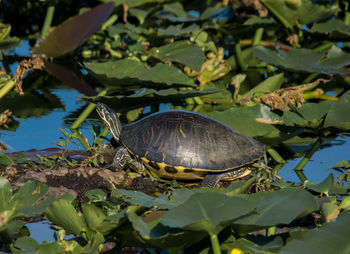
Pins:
x: 280, y: 207
x: 330, y: 237
x: 334, y: 28
x: 132, y: 70
x: 181, y: 51
x: 338, y: 115
x: 67, y: 36
x: 305, y: 60
x: 291, y: 13
x: 209, y: 212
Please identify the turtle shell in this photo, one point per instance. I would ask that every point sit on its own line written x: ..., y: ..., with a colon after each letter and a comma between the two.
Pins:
x: 189, y: 141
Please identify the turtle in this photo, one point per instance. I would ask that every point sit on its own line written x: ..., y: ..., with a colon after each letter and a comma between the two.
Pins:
x: 182, y: 145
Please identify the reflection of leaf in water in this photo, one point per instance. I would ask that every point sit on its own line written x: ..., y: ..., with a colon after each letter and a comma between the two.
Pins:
x: 73, y: 32
x: 36, y: 104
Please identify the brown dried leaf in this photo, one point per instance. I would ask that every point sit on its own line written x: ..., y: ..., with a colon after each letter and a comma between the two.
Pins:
x: 23, y: 67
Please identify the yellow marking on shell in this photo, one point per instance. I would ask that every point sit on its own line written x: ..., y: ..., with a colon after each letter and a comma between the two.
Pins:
x: 195, y: 174
x: 182, y: 132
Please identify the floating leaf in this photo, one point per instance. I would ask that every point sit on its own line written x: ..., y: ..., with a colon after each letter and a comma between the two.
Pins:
x: 334, y: 28
x: 182, y: 52
x: 292, y: 14
x: 305, y: 60
x: 279, y: 207
x: 330, y: 237
x: 209, y: 212
x: 73, y: 32
x: 132, y: 70
x: 324, y: 187
x: 338, y: 115
x: 63, y: 214
x: 93, y: 215
x: 245, y: 121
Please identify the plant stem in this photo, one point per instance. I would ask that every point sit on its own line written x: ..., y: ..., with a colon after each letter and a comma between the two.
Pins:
x: 310, y: 77
x: 103, y: 134
x: 239, y: 56
x: 48, y: 20
x: 309, y: 154
x: 258, y: 35
x: 215, y: 244
x: 271, y: 231
x: 86, y: 112
x: 5, y: 89
x: 347, y: 18
x: 81, y: 139
x: 275, y: 155
x: 301, y: 175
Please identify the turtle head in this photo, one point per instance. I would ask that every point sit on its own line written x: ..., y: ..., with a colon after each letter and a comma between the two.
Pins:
x: 110, y: 118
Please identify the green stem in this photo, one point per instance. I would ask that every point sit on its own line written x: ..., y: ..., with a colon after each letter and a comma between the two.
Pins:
x: 257, y: 37
x: 275, y: 155
x: 109, y: 21
x: 308, y: 155
x: 271, y: 231
x: 239, y: 56
x: 86, y: 112
x: 81, y: 139
x: 310, y: 77
x: 103, y: 134
x: 347, y: 18
x: 48, y: 20
x: 5, y: 89
x: 215, y: 244
x: 301, y: 175
x: 197, y: 100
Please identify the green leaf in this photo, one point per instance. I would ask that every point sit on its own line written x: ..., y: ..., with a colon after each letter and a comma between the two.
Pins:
x: 268, y: 85
x: 209, y: 212
x: 112, y: 222
x: 128, y: 69
x: 330, y: 211
x: 73, y: 32
x: 93, y: 215
x: 324, y: 187
x: 334, y: 28
x: 280, y: 207
x: 338, y: 115
x: 182, y: 52
x: 291, y: 15
x: 96, y: 195
x: 5, y: 194
x: 244, y: 120
x: 63, y: 214
x: 144, y: 200
x: 26, y: 244
x: 331, y: 237
x: 26, y: 200
x: 305, y: 60
x: 142, y: 227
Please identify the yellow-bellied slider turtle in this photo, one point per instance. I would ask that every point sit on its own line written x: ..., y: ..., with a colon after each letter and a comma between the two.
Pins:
x: 182, y: 145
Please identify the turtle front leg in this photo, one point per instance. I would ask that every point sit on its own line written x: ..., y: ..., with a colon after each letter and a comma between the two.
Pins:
x: 122, y: 157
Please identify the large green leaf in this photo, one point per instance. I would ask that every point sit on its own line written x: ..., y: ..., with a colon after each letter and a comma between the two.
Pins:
x: 209, y: 212
x: 244, y: 120
x: 133, y: 70
x: 338, y: 115
x: 93, y: 215
x: 334, y: 28
x: 63, y: 214
x: 332, y: 237
x: 268, y: 85
x: 5, y: 194
x: 305, y: 60
x: 280, y: 207
x: 290, y: 13
x: 26, y: 200
x: 181, y: 51
x: 73, y: 32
